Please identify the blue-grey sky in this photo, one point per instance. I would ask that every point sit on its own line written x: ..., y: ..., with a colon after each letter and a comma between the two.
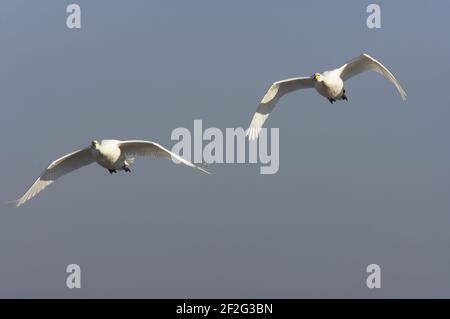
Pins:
x: 362, y: 182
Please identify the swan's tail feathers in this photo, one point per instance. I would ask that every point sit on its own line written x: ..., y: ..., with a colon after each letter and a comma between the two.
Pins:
x: 130, y: 160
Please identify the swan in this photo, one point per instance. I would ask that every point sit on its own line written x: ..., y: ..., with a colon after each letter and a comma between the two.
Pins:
x: 113, y: 155
x: 329, y: 84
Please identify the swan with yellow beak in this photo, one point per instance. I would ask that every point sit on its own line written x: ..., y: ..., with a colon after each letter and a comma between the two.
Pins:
x: 329, y: 84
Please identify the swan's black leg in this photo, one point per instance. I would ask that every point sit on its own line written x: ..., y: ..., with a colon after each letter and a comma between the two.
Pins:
x: 112, y: 171
x: 344, y: 97
x: 331, y: 100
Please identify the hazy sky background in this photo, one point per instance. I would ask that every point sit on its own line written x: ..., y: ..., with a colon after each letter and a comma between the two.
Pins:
x: 362, y: 182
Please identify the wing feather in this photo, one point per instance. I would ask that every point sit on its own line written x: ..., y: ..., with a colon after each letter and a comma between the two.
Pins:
x: 55, y: 170
x: 270, y: 99
x: 148, y: 148
x: 366, y: 63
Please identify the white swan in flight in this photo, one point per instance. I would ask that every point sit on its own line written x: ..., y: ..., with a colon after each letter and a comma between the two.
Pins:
x: 113, y: 155
x: 329, y: 84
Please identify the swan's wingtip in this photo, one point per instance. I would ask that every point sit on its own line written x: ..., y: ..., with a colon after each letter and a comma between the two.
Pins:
x: 403, y: 95
x: 252, y: 133
x: 201, y: 167
x: 14, y: 203
x: 204, y: 171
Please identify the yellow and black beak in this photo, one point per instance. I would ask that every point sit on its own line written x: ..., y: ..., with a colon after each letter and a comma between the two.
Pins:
x: 316, y: 76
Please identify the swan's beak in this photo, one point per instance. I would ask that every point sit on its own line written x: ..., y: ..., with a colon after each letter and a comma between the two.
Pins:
x: 316, y: 76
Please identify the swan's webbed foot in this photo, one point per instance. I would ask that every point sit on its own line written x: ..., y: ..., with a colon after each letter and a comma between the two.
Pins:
x: 126, y: 169
x: 112, y: 171
x: 331, y: 100
x: 343, y: 96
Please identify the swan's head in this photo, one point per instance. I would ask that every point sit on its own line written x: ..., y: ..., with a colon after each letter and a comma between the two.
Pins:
x: 95, y: 144
x: 317, y: 77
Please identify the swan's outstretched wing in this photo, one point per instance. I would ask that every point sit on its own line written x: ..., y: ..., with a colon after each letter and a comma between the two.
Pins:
x: 366, y: 63
x: 58, y: 168
x: 147, y: 148
x: 267, y: 104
